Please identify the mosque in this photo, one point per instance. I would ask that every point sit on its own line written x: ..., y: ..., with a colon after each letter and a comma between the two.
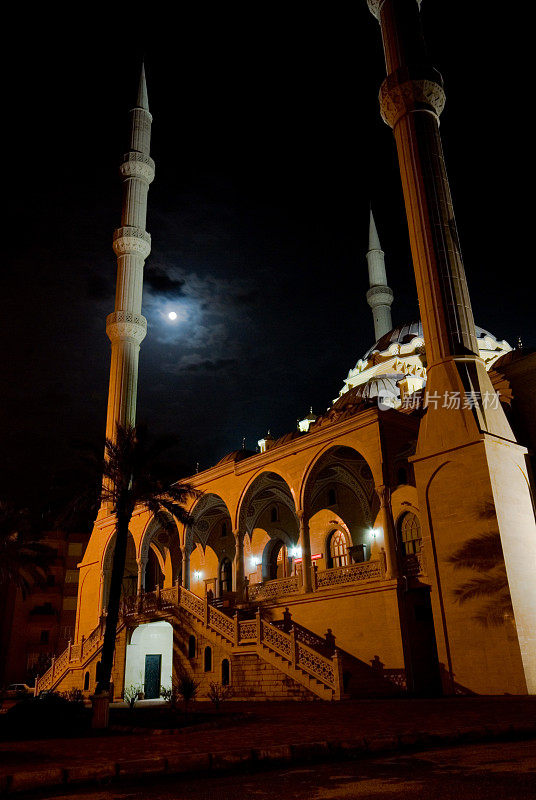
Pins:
x: 330, y: 564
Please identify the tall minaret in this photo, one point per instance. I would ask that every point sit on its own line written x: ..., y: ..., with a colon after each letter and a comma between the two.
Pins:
x: 126, y: 327
x: 471, y: 475
x: 379, y: 296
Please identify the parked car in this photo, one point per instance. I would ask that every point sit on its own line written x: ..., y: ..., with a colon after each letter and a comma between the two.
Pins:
x: 19, y: 690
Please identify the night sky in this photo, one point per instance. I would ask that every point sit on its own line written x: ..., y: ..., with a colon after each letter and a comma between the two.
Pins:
x: 269, y: 148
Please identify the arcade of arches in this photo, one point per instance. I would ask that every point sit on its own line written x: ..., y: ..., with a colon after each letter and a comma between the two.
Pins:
x: 316, y: 534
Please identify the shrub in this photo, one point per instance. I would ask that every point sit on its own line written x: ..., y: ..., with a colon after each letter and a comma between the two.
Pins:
x: 218, y: 693
x: 131, y: 694
x: 73, y: 696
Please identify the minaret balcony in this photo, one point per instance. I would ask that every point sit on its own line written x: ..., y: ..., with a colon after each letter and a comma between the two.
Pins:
x: 138, y: 165
x: 125, y: 325
x: 132, y: 241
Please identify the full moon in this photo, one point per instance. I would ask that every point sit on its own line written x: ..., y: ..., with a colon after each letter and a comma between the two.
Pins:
x: 172, y: 315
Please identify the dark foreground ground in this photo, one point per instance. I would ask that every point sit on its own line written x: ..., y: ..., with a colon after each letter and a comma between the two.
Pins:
x: 505, y: 771
x: 244, y: 736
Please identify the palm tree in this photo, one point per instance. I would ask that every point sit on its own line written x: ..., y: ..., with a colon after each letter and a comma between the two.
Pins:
x: 131, y: 472
x: 484, y: 555
x: 24, y: 561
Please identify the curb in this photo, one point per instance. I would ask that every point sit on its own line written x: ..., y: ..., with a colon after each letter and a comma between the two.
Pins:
x: 261, y: 758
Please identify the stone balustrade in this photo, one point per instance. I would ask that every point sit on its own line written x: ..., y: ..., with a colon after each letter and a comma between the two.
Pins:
x: 353, y: 573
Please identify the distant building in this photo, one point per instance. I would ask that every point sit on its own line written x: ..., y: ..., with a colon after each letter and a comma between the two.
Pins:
x: 43, y: 623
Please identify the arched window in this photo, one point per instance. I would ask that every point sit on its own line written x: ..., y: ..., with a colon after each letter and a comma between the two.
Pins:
x: 338, y: 552
x: 225, y: 672
x: 153, y: 574
x: 274, y: 515
x: 332, y: 497
x: 208, y: 659
x: 223, y: 531
x: 86, y: 681
x: 226, y: 576
x: 191, y: 647
x: 409, y: 531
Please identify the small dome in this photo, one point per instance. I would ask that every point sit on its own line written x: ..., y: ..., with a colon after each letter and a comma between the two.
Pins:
x: 236, y: 455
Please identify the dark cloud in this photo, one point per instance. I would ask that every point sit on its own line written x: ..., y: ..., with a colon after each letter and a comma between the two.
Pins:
x: 161, y: 281
x: 212, y: 366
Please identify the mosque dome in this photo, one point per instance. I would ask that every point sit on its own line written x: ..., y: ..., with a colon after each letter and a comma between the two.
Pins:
x: 399, y: 358
x: 409, y: 331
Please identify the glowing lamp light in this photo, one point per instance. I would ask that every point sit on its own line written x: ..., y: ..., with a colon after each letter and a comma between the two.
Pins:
x: 197, y: 575
x: 295, y: 552
x: 372, y: 533
x: 172, y: 316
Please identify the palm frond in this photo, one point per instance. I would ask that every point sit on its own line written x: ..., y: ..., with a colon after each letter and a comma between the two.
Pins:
x: 481, y: 553
x: 482, y: 586
x: 496, y: 612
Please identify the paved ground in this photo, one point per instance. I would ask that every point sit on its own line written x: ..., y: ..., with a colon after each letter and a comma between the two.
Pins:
x: 374, y: 725
x: 280, y: 723
x: 505, y: 771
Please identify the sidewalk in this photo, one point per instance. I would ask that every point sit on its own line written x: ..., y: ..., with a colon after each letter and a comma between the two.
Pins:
x: 270, y: 732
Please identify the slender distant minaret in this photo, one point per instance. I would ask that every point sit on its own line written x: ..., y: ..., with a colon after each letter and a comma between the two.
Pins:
x: 126, y: 327
x: 379, y: 296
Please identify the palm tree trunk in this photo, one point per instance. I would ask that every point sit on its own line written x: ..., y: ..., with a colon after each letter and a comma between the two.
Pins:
x: 112, y: 616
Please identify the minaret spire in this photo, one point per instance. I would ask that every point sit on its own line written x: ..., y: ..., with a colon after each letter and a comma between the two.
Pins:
x: 126, y: 327
x: 143, y: 100
x: 379, y: 296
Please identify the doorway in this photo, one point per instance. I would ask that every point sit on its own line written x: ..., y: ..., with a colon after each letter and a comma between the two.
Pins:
x: 153, y: 670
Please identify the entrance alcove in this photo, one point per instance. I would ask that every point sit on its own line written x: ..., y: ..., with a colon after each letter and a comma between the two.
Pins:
x: 149, y: 658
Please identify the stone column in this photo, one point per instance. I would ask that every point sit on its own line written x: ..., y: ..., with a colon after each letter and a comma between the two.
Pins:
x: 238, y: 565
x: 385, y: 520
x: 101, y: 593
x: 186, y: 568
x: 140, y: 586
x: 305, y: 545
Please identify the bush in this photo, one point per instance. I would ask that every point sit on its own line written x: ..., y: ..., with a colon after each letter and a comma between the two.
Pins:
x: 131, y: 694
x: 73, y: 696
x: 218, y: 693
x: 47, y: 715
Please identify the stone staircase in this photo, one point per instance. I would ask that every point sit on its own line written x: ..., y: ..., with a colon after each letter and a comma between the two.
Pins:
x: 299, y: 656
x: 75, y: 658
x: 304, y: 660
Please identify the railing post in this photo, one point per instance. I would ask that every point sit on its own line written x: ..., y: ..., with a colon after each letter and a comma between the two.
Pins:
x: 258, y: 620
x: 293, y: 647
x: 337, y: 671
x: 70, y: 647
x: 330, y: 641
x: 315, y: 576
x: 287, y: 620
x: 82, y: 640
x: 236, y: 629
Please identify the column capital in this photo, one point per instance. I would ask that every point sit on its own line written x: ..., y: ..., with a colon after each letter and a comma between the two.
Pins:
x: 384, y: 494
x: 302, y: 515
